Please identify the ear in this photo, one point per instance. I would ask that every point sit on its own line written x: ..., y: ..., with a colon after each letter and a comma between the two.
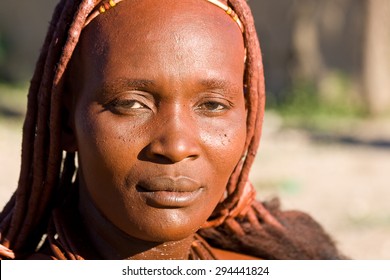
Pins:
x: 68, y: 135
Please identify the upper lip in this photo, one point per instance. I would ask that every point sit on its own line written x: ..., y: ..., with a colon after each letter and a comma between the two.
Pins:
x: 169, y: 184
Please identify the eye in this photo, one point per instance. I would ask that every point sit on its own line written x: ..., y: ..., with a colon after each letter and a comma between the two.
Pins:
x: 212, y: 106
x: 127, y: 106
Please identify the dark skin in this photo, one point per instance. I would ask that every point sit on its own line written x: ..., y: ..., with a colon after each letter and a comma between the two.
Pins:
x: 158, y: 121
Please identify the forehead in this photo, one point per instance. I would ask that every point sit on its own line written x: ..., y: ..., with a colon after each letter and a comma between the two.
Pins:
x: 175, y: 43
x: 158, y: 25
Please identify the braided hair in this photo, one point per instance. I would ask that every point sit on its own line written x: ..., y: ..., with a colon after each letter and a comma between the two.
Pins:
x: 238, y: 223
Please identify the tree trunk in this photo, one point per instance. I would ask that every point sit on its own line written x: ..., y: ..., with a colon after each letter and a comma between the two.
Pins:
x: 376, y: 70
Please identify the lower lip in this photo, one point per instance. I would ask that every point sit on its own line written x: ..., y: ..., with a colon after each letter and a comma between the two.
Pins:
x: 169, y: 199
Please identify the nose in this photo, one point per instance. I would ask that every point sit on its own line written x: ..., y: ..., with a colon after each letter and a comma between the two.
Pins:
x: 175, y: 139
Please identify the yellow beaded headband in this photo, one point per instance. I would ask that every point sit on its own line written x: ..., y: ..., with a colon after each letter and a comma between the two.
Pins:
x: 106, y: 5
x: 229, y: 11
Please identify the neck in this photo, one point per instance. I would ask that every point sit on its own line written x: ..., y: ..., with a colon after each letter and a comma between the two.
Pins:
x: 112, y: 243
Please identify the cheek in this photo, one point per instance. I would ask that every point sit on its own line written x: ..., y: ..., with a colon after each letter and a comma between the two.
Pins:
x: 94, y: 139
x: 226, y: 141
x: 106, y: 148
x: 226, y: 148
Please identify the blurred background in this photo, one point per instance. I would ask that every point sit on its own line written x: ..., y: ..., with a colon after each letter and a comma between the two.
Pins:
x: 326, y: 141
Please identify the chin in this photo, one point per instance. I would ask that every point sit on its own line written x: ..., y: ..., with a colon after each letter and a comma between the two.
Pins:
x: 166, y: 230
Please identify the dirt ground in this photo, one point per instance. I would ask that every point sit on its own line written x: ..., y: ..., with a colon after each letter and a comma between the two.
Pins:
x: 341, y: 180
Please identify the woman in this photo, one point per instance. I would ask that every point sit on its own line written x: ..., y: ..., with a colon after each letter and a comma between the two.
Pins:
x: 162, y: 101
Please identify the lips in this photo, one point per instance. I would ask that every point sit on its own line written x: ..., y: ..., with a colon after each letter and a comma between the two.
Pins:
x: 169, y: 192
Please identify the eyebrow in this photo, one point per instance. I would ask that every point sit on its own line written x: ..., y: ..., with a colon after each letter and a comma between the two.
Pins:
x: 122, y: 84
x: 125, y: 83
x: 220, y: 84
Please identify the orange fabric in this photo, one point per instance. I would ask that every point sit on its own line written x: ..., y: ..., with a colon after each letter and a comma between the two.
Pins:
x: 229, y: 255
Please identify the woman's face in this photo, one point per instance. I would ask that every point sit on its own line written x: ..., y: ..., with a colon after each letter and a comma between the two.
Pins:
x: 159, y: 117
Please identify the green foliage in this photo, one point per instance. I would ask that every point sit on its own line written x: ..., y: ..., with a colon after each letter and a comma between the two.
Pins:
x: 13, y: 100
x: 309, y: 105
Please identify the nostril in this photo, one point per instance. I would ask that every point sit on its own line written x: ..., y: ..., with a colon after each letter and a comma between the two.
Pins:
x: 165, y: 151
x: 168, y: 154
x: 162, y: 159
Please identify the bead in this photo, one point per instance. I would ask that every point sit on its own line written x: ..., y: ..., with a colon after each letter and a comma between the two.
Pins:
x: 107, y: 4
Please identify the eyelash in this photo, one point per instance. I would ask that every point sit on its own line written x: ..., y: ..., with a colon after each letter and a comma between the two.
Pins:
x: 125, y: 106
x: 207, y: 106
x: 214, y: 108
x: 126, y: 103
